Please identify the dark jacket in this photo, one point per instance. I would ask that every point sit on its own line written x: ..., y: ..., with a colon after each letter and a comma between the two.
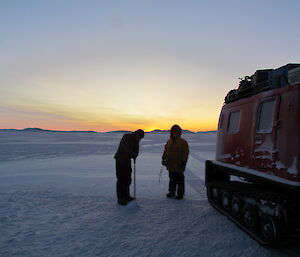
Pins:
x: 128, y: 148
x: 176, y: 154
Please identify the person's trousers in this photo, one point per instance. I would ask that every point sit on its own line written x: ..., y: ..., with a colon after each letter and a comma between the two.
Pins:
x: 123, y: 173
x: 176, y: 182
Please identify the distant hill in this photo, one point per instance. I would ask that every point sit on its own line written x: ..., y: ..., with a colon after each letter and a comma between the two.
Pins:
x: 118, y: 131
x: 35, y: 130
x: 205, y: 132
x: 158, y: 131
x: 168, y: 131
x: 47, y: 130
x: 152, y: 131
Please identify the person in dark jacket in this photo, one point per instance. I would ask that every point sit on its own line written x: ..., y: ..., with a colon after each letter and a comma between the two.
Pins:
x: 128, y: 149
x: 175, y: 157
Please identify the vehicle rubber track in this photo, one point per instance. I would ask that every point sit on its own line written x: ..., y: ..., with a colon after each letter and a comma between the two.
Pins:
x: 288, y: 225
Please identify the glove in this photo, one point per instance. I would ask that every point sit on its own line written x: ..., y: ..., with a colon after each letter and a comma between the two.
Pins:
x: 164, y: 162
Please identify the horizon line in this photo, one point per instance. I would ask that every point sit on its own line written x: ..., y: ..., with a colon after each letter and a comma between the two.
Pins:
x: 92, y: 131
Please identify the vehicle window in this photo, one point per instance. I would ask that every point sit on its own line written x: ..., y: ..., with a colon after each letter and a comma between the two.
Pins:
x: 265, y: 116
x: 234, y: 122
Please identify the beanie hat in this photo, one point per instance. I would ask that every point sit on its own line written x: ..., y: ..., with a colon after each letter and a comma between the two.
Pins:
x: 140, y: 132
x: 176, y: 128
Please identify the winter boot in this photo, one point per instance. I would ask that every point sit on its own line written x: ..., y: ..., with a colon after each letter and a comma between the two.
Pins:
x: 170, y: 195
x: 122, y: 201
x: 130, y: 198
x: 178, y: 197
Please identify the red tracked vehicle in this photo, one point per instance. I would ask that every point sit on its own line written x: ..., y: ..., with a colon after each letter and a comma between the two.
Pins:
x: 255, y: 179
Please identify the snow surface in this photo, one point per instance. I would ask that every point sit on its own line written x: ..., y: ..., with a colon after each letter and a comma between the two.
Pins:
x: 57, y: 198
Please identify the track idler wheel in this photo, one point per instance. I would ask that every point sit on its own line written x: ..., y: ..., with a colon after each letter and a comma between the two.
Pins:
x: 250, y: 216
x: 280, y: 215
x: 236, y: 207
x: 269, y: 228
x: 213, y: 194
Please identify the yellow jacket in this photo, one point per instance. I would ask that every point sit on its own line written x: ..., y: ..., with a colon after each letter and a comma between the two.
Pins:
x: 176, y: 154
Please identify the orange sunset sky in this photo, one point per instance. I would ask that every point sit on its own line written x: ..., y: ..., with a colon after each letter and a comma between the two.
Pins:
x: 123, y: 65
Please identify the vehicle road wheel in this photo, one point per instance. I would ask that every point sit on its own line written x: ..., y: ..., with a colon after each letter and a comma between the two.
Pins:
x: 236, y: 207
x: 268, y: 228
x: 226, y: 200
x: 250, y: 216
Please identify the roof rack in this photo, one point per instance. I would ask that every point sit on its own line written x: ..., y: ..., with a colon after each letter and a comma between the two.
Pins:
x: 263, y: 80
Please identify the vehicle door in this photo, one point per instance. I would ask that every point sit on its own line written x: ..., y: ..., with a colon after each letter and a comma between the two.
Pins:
x: 265, y: 133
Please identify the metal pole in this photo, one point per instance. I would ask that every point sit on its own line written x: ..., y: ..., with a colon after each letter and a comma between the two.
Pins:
x: 134, y: 183
x: 160, y: 173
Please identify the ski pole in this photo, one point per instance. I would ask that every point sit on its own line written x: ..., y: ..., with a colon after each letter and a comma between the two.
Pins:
x: 160, y: 173
x: 134, y: 184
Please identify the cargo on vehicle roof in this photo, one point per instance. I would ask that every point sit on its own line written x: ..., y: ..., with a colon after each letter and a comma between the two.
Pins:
x: 263, y: 80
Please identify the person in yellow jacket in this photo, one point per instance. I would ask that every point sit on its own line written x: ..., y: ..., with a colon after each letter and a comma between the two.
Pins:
x: 175, y: 157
